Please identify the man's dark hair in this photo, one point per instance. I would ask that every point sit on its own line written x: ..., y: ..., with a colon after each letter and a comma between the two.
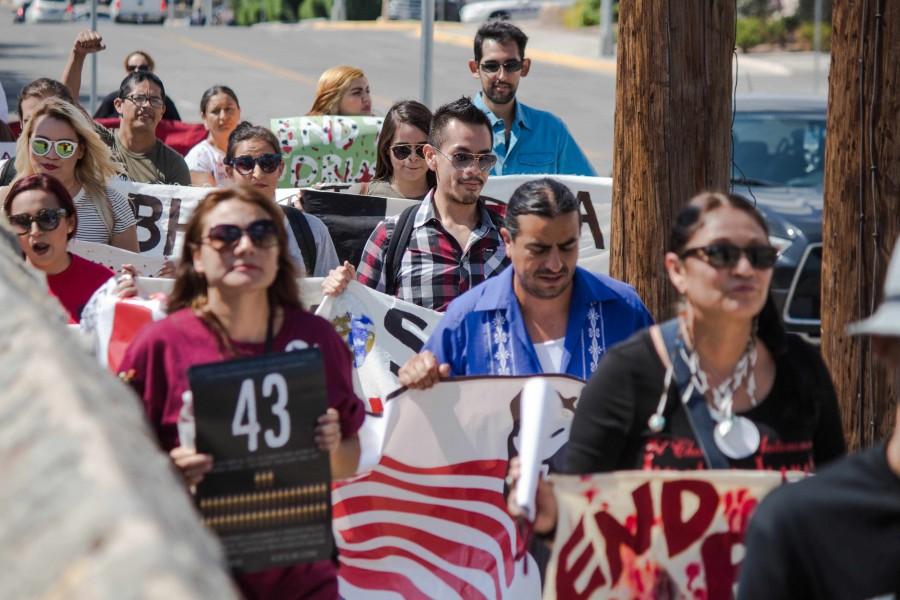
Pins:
x: 137, y: 78
x: 501, y: 32
x: 458, y: 110
x: 545, y: 197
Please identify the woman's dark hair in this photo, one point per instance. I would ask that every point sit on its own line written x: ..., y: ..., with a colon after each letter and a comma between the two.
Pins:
x: 459, y: 110
x: 545, y: 197
x: 248, y: 131
x: 690, y: 219
x: 501, y: 32
x: 136, y: 78
x: 6, y: 134
x: 214, y: 90
x: 190, y: 288
x: 50, y: 185
x: 409, y: 112
x: 45, y: 88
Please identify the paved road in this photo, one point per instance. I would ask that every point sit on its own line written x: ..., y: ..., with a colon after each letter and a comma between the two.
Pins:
x: 274, y: 68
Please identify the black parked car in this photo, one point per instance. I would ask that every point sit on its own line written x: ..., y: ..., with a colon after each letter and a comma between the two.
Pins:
x: 779, y: 152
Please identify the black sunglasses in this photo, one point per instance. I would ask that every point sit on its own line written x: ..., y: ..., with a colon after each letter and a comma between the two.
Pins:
x: 510, y: 66
x: 47, y: 219
x: 246, y: 163
x: 262, y: 233
x: 403, y: 151
x: 728, y: 255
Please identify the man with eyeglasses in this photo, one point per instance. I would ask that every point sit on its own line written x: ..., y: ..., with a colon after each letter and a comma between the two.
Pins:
x: 526, y: 140
x: 145, y: 158
x: 451, y: 242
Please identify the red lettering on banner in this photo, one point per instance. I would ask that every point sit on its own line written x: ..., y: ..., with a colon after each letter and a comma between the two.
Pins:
x: 617, y: 535
x: 721, y: 573
x: 566, y: 575
x: 680, y: 535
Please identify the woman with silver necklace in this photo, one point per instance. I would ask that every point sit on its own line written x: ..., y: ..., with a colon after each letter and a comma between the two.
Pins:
x: 722, y: 385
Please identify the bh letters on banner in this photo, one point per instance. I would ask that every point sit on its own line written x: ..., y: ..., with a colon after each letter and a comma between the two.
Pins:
x: 652, y: 534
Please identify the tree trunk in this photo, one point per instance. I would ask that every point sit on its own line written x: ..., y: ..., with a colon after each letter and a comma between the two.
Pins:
x: 862, y: 219
x: 672, y: 129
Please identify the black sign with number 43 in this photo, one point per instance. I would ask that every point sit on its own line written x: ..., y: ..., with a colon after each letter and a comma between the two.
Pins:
x: 268, y: 496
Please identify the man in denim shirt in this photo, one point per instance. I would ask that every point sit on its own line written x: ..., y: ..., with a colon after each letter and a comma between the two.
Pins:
x: 526, y: 140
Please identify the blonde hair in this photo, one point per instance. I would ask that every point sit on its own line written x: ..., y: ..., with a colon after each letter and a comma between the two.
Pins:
x: 333, y: 84
x: 92, y: 170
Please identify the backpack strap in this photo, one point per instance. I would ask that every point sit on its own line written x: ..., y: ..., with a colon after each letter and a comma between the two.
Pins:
x: 303, y: 233
x: 396, y: 247
x: 698, y: 416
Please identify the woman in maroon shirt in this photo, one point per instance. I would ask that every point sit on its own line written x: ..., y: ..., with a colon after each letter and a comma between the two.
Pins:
x: 42, y: 214
x: 235, y: 295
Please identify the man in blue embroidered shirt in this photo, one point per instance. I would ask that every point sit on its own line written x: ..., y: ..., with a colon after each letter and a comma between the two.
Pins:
x: 543, y: 314
x: 526, y: 140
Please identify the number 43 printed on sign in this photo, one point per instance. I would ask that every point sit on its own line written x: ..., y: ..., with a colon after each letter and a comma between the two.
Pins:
x: 274, y: 387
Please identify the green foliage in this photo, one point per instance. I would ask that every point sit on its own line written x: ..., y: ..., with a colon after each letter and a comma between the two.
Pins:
x: 806, y: 11
x: 586, y: 13
x: 312, y: 9
x: 776, y: 32
x: 363, y: 10
x: 751, y: 31
x: 806, y: 32
x: 757, y: 9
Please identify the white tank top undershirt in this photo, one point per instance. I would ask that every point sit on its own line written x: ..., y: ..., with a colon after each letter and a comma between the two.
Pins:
x: 550, y: 355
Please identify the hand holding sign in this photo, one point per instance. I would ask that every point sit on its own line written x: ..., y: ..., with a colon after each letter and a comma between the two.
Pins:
x: 536, y: 403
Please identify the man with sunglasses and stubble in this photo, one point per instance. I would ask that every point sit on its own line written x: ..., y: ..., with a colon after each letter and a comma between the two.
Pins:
x: 526, y: 140
x: 451, y: 242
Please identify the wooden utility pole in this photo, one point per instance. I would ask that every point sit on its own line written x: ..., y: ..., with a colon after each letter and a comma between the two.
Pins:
x: 862, y: 205
x: 672, y: 129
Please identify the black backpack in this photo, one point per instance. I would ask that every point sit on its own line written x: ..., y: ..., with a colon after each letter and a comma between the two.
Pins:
x: 399, y: 242
x: 303, y: 233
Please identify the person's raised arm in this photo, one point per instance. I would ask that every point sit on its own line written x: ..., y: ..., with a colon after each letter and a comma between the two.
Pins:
x: 86, y: 43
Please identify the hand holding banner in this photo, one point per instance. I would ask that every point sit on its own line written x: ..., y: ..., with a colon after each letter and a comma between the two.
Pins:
x: 536, y: 400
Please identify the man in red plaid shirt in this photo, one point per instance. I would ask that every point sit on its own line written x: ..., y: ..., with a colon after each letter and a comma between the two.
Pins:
x: 454, y: 244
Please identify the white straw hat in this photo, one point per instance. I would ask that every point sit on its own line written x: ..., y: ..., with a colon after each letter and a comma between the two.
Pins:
x: 886, y: 320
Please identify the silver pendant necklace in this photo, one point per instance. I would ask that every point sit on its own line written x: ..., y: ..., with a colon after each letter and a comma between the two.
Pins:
x: 736, y: 436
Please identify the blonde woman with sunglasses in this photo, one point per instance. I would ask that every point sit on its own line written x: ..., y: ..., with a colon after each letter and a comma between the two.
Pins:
x: 59, y: 140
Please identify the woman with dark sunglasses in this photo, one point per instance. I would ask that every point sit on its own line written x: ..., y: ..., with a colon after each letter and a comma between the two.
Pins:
x: 42, y: 214
x: 253, y: 158
x: 236, y: 295
x: 722, y: 385
x: 400, y: 170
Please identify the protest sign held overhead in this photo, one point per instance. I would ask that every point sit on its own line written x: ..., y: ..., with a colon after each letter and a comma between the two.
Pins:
x: 268, y: 493
x: 650, y: 534
x: 430, y: 519
x: 327, y: 149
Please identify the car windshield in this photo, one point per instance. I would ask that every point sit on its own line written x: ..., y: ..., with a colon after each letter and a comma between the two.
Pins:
x: 779, y: 149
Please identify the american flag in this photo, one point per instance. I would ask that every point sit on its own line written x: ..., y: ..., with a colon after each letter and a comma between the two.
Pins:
x: 430, y: 520
x: 429, y: 532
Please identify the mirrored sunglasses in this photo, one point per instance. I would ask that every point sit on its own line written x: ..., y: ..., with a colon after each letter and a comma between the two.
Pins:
x: 463, y: 160
x: 728, y: 255
x: 64, y: 148
x: 262, y: 233
x: 510, y: 66
x: 47, y: 219
x: 403, y: 151
x: 245, y: 164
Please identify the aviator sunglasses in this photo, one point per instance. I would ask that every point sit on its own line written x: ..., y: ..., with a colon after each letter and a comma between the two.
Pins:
x: 403, y: 151
x: 47, y: 219
x: 64, y: 148
x: 262, y: 233
x: 463, y: 160
x: 510, y: 66
x: 245, y: 164
x: 728, y: 255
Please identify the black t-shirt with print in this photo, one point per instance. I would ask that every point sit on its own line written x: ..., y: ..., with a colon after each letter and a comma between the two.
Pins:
x: 835, y: 535
x: 799, y: 421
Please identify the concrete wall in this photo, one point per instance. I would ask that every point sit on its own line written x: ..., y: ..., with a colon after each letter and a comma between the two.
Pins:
x: 89, y: 506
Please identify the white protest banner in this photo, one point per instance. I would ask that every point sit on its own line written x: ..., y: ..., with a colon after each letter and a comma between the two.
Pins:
x: 162, y: 213
x: 430, y: 520
x: 112, y: 257
x: 327, y: 148
x: 382, y: 333
x: 652, y: 534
